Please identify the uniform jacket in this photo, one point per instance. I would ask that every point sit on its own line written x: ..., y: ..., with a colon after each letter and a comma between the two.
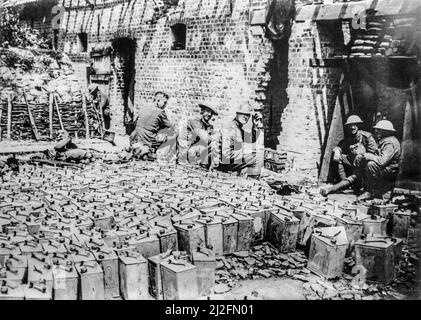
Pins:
x: 195, y: 130
x: 233, y: 139
x: 363, y: 138
x: 388, y: 154
x: 151, y: 120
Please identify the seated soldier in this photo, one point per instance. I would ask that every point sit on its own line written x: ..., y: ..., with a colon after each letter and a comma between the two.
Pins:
x: 195, y: 137
x: 145, y: 138
x: 345, y: 160
x: 234, y: 136
x: 381, y: 167
x: 68, y: 151
x: 11, y: 164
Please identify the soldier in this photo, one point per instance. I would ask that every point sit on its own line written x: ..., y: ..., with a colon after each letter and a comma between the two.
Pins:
x: 383, y: 166
x: 145, y: 138
x: 10, y: 164
x: 67, y: 150
x: 233, y: 138
x: 102, y: 101
x: 195, y: 136
x: 345, y: 154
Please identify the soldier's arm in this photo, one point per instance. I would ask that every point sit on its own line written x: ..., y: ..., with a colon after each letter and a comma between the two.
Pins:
x: 384, y: 157
x: 371, y: 144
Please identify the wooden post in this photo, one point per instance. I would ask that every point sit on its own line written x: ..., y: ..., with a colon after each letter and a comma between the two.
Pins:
x: 85, y: 112
x: 58, y: 112
x: 50, y: 114
x: 31, y: 119
x: 9, y: 117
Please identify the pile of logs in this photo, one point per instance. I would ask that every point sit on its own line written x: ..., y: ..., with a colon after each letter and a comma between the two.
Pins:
x: 23, y: 120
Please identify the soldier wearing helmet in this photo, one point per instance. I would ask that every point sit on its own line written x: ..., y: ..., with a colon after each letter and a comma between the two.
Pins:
x: 195, y: 136
x: 234, y: 136
x: 345, y: 155
x: 383, y: 165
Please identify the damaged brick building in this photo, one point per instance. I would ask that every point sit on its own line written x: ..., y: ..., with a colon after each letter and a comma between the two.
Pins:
x: 307, y: 79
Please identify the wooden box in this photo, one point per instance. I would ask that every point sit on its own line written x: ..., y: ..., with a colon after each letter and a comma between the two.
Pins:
x: 245, y: 231
x: 190, y: 236
x: 146, y: 244
x: 327, y: 251
x: 213, y: 234
x: 376, y: 255
x: 109, y: 263
x: 91, y: 280
x: 375, y: 224
x: 401, y: 222
x: 282, y: 231
x: 34, y: 291
x: 179, y: 280
x: 65, y: 280
x: 205, y: 263
x: 133, y: 270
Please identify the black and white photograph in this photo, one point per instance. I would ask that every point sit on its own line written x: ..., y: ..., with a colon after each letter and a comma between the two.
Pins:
x: 210, y: 150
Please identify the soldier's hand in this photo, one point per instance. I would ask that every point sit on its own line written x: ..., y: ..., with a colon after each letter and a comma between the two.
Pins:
x: 358, y: 159
x: 337, y: 156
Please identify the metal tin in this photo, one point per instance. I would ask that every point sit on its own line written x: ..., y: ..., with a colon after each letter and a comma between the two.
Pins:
x: 109, y: 263
x: 374, y: 224
x: 190, y: 236
x: 133, y: 271
x: 327, y: 251
x: 155, y: 282
x: 205, y: 262
x: 401, y: 222
x: 91, y: 277
x: 39, y: 292
x: 179, y: 281
x: 147, y: 245
x: 376, y: 255
x: 65, y: 280
x: 282, y: 231
x: 245, y: 231
x: 213, y: 234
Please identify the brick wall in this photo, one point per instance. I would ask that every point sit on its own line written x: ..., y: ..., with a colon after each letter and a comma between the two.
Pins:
x: 311, y: 92
x: 225, y: 59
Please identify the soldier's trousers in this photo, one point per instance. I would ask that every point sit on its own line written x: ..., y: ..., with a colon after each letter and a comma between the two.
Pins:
x: 248, y: 160
x: 376, y: 176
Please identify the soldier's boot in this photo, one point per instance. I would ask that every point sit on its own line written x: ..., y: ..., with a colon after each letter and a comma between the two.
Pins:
x: 335, y: 188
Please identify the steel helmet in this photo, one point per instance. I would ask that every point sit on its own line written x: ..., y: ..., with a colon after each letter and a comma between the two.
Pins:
x: 245, y: 108
x: 208, y: 105
x: 353, y: 119
x: 384, y: 125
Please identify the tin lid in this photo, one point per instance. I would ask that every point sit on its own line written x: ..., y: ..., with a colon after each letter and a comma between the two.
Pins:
x: 131, y: 257
x: 203, y: 255
x: 285, y: 216
x: 177, y: 265
x: 331, y: 235
x: 375, y: 241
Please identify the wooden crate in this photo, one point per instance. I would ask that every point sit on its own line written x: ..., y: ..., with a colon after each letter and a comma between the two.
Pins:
x: 326, y: 257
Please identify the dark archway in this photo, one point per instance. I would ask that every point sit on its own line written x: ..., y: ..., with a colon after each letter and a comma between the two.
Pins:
x: 125, y: 50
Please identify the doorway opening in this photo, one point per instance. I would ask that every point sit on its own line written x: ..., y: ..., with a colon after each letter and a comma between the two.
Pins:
x: 125, y: 50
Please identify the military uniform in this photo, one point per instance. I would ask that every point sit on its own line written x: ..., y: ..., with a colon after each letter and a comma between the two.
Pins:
x: 68, y: 151
x: 384, y: 164
x: 233, y: 157
x: 195, y: 141
x: 349, y: 148
x: 150, y: 121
